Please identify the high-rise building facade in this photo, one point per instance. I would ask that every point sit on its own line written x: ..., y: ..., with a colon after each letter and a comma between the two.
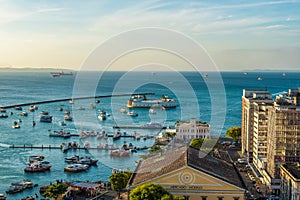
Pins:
x: 283, y: 145
x: 248, y: 99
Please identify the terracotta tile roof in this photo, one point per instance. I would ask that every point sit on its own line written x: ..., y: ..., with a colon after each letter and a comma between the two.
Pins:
x: 185, y: 156
x: 159, y: 164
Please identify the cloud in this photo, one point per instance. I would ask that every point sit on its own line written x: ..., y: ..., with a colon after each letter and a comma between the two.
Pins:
x: 276, y: 26
x: 45, y: 10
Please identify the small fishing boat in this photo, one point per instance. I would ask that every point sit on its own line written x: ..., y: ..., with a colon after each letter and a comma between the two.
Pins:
x: 68, y: 118
x: 36, y: 158
x: 2, y: 197
x: 3, y: 116
x: 81, y: 108
x: 23, y: 113
x: 46, y: 118
x: 62, y: 123
x: 44, y: 112
x: 132, y: 114
x: 16, y: 126
x: 123, y: 110
x: 117, y: 135
x: 38, y: 166
x: 18, y: 108
x: 119, y: 153
x: 74, y: 168
x: 2, y: 110
x: 65, y: 147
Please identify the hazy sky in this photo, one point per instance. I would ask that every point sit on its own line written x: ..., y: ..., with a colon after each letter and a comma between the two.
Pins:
x: 238, y: 35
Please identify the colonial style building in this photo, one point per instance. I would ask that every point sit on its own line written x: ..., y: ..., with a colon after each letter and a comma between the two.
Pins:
x: 192, y: 174
x: 290, y: 181
x: 192, y: 129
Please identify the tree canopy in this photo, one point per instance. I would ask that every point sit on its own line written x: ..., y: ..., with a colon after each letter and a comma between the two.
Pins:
x: 234, y: 132
x: 54, y: 190
x: 149, y: 192
x: 119, y: 181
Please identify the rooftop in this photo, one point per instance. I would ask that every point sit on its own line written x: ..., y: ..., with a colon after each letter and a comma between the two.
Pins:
x: 186, y: 156
x: 294, y: 169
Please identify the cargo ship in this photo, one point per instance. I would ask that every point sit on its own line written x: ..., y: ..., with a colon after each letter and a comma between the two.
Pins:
x: 62, y: 73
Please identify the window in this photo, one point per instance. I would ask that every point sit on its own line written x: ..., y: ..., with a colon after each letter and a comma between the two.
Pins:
x: 236, y: 198
x: 203, y: 197
x: 220, y: 198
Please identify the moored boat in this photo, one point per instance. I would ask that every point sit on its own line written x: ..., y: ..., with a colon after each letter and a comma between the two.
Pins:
x: 2, y: 197
x: 68, y: 117
x: 38, y: 166
x: 3, y: 116
x: 117, y: 135
x: 119, y: 153
x: 132, y: 114
x: 76, y: 168
x: 46, y: 118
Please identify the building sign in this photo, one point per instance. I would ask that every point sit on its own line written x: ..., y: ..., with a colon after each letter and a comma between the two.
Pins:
x: 185, y: 187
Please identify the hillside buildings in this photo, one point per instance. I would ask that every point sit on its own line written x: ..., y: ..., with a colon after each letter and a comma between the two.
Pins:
x: 271, y: 132
x: 194, y: 129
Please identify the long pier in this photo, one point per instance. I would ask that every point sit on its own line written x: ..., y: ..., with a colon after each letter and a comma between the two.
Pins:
x: 58, y: 147
x: 74, y: 98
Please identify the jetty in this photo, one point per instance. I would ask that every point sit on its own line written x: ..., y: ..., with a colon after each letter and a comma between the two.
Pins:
x: 74, y: 98
x: 137, y: 127
x: 59, y: 147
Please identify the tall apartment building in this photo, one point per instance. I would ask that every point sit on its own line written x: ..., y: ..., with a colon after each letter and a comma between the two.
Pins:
x: 248, y: 99
x: 283, y: 145
x: 260, y: 133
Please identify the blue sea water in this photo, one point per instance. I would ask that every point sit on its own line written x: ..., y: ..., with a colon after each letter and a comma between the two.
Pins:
x: 27, y: 87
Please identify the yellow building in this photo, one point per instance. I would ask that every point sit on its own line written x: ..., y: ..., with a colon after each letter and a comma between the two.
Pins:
x: 290, y: 181
x: 190, y: 173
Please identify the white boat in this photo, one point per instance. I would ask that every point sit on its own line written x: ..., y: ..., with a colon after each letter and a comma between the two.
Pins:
x: 76, y: 168
x: 152, y: 111
x: 260, y: 78
x: 123, y: 110
x: 68, y: 118
x: 102, y: 115
x: 17, y: 126
x: 138, y: 101
x: 23, y: 113
x: 119, y: 153
x: 132, y: 114
x: 2, y: 110
x: 117, y: 135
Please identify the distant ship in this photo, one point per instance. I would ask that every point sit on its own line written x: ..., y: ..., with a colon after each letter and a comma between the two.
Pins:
x: 260, y: 78
x: 59, y: 74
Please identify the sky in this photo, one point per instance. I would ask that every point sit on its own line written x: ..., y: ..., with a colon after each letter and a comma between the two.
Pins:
x: 238, y: 35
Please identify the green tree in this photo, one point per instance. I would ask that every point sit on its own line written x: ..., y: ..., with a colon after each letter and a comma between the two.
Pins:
x: 234, y: 132
x: 119, y: 181
x: 154, y: 148
x: 196, y: 143
x: 209, y: 143
x: 169, y: 135
x: 149, y: 192
x: 54, y: 190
